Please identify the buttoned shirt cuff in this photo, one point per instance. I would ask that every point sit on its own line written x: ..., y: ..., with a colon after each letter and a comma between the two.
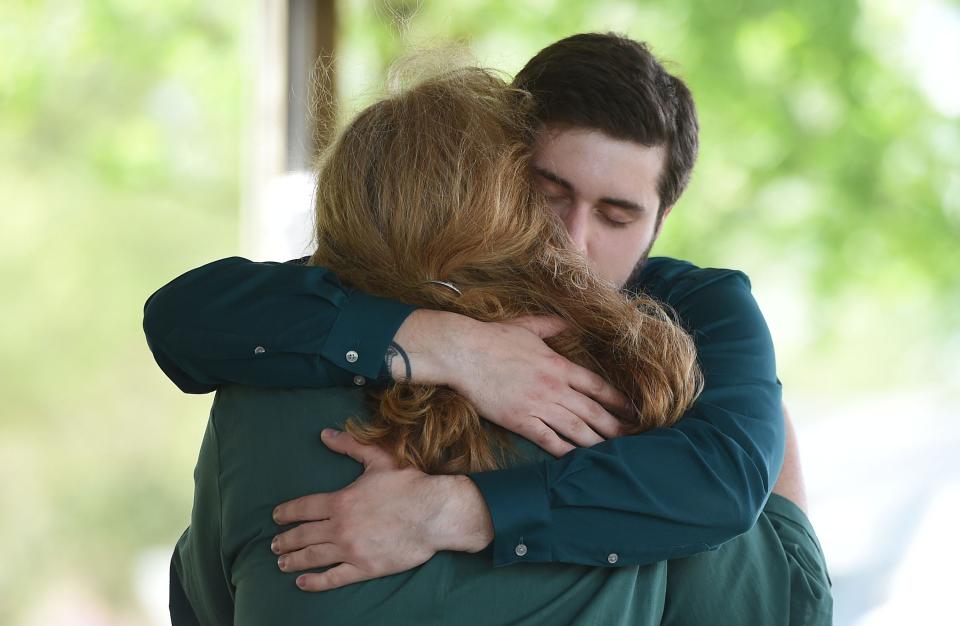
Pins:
x: 519, y: 505
x: 363, y: 330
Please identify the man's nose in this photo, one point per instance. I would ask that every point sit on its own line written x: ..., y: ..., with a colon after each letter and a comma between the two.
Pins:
x: 578, y: 226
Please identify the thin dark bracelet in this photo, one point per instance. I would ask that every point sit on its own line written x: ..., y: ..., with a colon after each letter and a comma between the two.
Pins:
x: 393, y: 350
x: 388, y: 360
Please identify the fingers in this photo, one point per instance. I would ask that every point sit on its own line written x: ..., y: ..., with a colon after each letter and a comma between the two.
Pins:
x: 595, y: 386
x: 339, y: 576
x: 304, y: 509
x: 317, y: 555
x: 344, y: 443
x: 302, y: 536
x: 538, y: 432
x: 590, y: 414
x: 543, y: 326
x: 565, y: 422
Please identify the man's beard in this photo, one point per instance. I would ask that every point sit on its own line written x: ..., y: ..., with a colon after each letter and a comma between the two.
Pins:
x: 633, y: 282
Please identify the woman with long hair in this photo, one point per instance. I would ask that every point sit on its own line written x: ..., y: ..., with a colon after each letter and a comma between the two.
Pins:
x: 426, y: 198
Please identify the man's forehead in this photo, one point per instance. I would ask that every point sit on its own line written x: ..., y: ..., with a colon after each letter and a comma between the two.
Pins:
x: 596, y: 164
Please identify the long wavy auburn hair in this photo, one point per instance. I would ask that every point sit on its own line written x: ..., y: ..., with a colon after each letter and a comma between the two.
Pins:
x: 433, y: 183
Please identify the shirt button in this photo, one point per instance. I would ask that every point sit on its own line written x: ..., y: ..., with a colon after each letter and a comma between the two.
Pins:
x: 612, y: 558
x: 259, y: 350
x: 521, y: 549
x: 359, y: 380
x: 352, y: 356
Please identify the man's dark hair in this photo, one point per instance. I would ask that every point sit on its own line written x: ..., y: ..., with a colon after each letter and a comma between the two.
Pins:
x: 614, y: 84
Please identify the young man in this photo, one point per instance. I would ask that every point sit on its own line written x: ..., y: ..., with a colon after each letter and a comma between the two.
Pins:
x: 618, y: 143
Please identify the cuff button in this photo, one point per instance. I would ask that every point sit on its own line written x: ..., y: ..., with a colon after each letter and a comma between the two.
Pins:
x: 521, y: 549
x: 352, y: 356
x: 612, y: 558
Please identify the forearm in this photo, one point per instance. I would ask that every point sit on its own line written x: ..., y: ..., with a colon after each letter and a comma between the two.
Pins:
x: 267, y: 325
x: 649, y: 497
x: 667, y: 492
x: 790, y: 483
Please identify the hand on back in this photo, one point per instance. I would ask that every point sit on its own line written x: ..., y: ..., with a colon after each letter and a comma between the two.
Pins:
x: 389, y: 520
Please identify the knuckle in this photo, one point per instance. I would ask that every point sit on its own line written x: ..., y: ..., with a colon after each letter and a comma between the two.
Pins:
x: 300, y: 505
x: 304, y: 509
x: 598, y: 414
x: 575, y: 426
x: 293, y: 536
x: 606, y: 425
x: 313, y: 553
x: 545, y: 380
x: 543, y: 436
x: 557, y: 362
x: 593, y: 383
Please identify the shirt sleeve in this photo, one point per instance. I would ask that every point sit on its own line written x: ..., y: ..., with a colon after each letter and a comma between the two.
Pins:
x: 235, y: 321
x: 668, y: 492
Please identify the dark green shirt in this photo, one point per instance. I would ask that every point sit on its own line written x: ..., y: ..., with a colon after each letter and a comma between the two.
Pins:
x: 662, y: 494
x: 263, y: 446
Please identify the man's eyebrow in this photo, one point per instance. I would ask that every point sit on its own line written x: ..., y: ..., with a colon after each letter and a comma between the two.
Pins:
x: 553, y: 178
x: 626, y: 205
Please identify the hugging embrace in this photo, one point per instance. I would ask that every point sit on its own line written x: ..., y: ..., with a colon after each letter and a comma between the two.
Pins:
x: 480, y: 401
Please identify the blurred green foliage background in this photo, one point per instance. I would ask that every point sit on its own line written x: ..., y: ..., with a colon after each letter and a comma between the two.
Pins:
x: 829, y: 172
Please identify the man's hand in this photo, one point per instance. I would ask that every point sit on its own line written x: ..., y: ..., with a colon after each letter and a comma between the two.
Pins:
x: 513, y: 378
x: 388, y: 521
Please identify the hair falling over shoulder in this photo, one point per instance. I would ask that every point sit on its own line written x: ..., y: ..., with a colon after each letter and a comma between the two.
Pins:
x: 432, y: 183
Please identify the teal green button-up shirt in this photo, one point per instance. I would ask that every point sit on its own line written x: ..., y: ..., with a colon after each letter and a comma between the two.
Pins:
x: 262, y: 447
x: 650, y: 497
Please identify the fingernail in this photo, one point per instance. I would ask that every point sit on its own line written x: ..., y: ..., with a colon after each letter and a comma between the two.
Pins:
x: 276, y: 514
x: 329, y: 432
x: 282, y: 562
x: 273, y: 546
x: 301, y: 581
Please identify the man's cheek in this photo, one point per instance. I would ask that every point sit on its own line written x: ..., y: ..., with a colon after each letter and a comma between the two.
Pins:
x: 612, y: 266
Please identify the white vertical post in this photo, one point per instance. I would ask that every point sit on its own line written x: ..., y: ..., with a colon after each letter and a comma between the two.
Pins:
x: 276, y: 222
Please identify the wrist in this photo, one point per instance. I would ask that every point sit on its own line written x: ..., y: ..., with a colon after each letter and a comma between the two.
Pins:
x: 462, y: 522
x: 430, y: 339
